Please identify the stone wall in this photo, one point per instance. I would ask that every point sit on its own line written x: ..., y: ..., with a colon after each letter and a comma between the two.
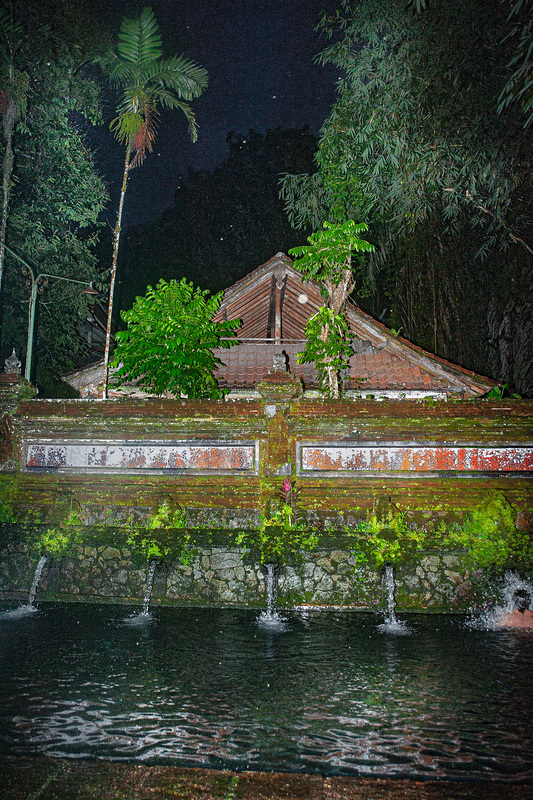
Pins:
x: 399, y: 470
x: 226, y: 576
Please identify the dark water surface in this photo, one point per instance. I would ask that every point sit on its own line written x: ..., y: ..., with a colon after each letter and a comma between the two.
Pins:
x: 329, y: 692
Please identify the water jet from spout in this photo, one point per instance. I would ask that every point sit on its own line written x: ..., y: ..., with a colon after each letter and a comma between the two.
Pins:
x: 391, y: 624
x: 36, y: 579
x: 29, y: 608
x: 149, y: 586
x: 270, y: 618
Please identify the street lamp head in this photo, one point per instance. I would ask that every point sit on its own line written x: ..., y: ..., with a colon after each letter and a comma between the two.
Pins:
x: 90, y: 290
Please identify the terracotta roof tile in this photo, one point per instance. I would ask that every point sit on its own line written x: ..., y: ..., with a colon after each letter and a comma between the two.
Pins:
x: 249, y: 362
x: 382, y: 360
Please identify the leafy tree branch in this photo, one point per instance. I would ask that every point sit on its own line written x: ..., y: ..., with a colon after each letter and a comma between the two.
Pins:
x: 328, y: 259
x: 168, y: 344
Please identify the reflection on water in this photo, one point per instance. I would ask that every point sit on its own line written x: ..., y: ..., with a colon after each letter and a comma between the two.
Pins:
x: 325, y: 692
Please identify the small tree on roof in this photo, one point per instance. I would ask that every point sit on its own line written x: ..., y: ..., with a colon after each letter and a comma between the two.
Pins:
x: 328, y: 259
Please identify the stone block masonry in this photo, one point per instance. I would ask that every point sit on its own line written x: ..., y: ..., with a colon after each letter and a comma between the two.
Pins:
x: 224, y: 576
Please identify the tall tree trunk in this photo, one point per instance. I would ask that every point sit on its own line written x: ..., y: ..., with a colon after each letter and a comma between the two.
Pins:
x: 7, y: 173
x: 338, y: 293
x: 116, y: 241
x: 333, y: 378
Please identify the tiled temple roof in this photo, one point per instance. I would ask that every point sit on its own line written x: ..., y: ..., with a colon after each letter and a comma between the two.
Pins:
x: 274, y: 305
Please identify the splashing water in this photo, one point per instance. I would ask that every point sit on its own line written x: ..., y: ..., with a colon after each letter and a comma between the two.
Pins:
x: 29, y: 608
x: 149, y: 585
x: 491, y: 618
x: 270, y: 618
x: 391, y: 624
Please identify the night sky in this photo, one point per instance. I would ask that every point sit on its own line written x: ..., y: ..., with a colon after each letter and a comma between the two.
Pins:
x: 259, y: 57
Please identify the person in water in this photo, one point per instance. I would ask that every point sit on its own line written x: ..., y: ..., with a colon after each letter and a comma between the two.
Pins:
x: 521, y: 616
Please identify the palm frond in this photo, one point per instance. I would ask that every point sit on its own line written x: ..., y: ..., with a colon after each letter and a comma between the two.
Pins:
x: 182, y: 76
x: 191, y: 119
x: 126, y: 126
x: 120, y: 72
x: 139, y: 41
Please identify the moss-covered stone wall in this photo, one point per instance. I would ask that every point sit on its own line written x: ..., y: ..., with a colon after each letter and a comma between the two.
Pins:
x: 227, y: 576
x: 483, y: 519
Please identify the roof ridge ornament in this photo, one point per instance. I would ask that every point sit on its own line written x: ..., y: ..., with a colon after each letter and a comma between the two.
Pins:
x: 280, y: 276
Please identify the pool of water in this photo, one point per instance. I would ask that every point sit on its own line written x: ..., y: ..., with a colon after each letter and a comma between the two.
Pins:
x: 334, y: 693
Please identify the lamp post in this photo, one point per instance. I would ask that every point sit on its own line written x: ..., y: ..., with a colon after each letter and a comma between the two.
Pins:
x: 38, y: 283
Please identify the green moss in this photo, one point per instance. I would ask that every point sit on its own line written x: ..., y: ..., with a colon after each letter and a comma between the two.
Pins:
x: 490, y: 538
x: 8, y: 490
x: 486, y: 537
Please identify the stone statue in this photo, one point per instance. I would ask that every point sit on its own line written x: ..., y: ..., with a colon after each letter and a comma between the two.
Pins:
x: 280, y: 362
x: 12, y: 365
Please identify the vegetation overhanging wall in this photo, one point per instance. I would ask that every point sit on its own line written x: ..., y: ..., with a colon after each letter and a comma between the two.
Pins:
x: 243, y: 490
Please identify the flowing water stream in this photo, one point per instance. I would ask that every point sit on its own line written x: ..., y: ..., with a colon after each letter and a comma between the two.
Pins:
x: 149, y: 587
x: 36, y: 579
x: 30, y: 605
x: 270, y: 618
x: 391, y: 623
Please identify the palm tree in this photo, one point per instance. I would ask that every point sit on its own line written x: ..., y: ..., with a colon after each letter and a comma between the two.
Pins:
x: 147, y: 81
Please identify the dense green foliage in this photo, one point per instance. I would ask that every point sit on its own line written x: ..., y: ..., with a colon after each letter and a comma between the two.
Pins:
x: 486, y: 538
x: 415, y: 146
x: 55, y: 194
x: 329, y: 254
x: 168, y: 344
x: 415, y: 129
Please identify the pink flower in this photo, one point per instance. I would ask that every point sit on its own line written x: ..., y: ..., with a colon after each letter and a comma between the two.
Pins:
x: 286, y: 486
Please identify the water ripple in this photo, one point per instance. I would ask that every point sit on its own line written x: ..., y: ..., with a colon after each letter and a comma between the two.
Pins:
x: 331, y: 694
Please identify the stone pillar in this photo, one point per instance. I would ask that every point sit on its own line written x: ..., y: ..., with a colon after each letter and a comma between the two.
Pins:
x: 278, y: 390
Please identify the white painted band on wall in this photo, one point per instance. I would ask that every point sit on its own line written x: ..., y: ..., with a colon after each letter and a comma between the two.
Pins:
x: 336, y: 459
x: 198, y: 457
